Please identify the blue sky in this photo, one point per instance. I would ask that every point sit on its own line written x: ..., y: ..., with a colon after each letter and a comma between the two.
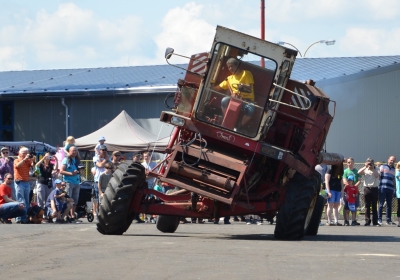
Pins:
x: 77, y: 34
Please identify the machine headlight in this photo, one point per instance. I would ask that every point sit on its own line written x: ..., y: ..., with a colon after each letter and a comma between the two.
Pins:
x: 177, y: 121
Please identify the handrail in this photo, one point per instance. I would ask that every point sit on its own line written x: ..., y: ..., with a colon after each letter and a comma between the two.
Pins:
x: 295, y: 93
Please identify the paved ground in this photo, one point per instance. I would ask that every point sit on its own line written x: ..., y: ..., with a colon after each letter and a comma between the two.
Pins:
x: 197, y: 251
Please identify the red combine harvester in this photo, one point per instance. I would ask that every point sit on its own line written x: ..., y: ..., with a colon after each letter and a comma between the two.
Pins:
x: 246, y: 141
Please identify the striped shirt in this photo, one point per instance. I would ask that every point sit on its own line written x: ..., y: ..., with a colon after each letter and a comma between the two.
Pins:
x: 387, y: 177
x: 22, y: 173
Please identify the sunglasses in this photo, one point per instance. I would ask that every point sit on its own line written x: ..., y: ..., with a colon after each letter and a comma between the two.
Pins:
x: 108, y: 167
x: 63, y: 185
x: 5, y: 152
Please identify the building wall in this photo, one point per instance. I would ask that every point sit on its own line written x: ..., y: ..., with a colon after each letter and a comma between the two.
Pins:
x: 44, y: 119
x: 365, y: 123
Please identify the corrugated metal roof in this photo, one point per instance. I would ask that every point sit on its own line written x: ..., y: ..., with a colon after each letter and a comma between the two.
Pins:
x: 164, y: 76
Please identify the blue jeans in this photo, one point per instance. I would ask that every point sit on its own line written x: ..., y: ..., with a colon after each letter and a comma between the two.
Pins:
x: 11, y: 210
x: 385, y: 194
x: 43, y: 192
x: 248, y: 109
x: 73, y: 191
x: 22, y: 190
x: 335, y: 197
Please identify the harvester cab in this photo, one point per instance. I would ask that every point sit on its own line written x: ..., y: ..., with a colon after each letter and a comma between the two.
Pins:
x: 207, y: 96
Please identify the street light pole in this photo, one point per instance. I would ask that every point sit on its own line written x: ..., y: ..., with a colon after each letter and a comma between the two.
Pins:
x: 262, y: 62
x: 283, y: 43
x: 327, y: 42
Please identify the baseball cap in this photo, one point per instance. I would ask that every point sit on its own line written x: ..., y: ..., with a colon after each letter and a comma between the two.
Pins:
x: 115, y: 153
x: 58, y: 181
x: 4, y: 149
x: 350, y: 178
x: 103, y: 147
x: 102, y: 138
x: 370, y: 159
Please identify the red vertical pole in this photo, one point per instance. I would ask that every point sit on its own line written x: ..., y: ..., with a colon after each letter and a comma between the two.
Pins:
x: 262, y: 63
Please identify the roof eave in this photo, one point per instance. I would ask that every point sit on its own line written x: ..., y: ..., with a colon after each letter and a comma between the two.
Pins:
x: 68, y: 93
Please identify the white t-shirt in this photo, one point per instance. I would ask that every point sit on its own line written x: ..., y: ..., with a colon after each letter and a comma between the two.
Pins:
x: 369, y: 178
x: 149, y: 166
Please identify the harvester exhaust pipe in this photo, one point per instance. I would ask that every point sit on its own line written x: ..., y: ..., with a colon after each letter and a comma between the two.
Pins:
x: 330, y: 159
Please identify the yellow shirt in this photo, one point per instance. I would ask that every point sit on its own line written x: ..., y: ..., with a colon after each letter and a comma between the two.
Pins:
x: 244, y: 77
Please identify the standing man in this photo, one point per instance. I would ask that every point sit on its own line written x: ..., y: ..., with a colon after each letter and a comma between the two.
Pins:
x: 99, y: 161
x: 370, y: 184
x: 148, y: 165
x: 386, y: 190
x: 22, y: 165
x: 116, y: 159
x: 69, y: 170
x: 350, y: 171
x: 137, y: 157
x: 7, y: 166
x: 10, y: 208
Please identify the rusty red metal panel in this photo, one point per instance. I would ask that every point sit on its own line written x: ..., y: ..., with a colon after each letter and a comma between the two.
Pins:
x: 197, y: 64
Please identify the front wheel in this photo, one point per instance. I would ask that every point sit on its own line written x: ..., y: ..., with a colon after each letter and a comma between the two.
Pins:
x: 115, y: 216
x: 316, y: 216
x: 294, y: 217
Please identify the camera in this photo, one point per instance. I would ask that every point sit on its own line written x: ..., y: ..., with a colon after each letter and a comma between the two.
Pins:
x: 30, y: 156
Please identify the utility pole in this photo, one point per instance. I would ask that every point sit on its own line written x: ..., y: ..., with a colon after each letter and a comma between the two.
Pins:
x: 262, y: 62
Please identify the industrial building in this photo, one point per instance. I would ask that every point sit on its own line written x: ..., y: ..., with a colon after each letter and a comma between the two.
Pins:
x: 47, y: 105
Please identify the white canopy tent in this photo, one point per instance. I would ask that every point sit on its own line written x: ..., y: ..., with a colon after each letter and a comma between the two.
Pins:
x: 125, y: 135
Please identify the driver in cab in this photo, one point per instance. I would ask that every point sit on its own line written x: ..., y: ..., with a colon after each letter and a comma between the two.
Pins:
x: 240, y: 84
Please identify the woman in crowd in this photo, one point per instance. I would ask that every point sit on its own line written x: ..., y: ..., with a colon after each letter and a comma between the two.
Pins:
x: 45, y: 181
x: 333, y: 184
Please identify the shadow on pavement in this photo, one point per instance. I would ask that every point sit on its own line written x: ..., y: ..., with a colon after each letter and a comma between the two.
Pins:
x: 322, y: 238
x: 353, y: 238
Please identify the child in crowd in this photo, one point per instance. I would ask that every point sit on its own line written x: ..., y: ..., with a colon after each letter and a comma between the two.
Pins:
x: 104, y: 178
x: 350, y: 196
x: 62, y: 201
x: 69, y: 142
x: 102, y: 139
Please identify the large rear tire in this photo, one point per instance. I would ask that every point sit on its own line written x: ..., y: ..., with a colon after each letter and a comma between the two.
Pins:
x: 316, y: 216
x: 295, y: 214
x: 114, y: 215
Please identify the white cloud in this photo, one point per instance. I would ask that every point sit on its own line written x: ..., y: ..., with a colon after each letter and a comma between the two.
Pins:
x: 11, y: 58
x: 366, y: 42
x: 386, y: 10
x: 71, y: 37
x: 185, y: 31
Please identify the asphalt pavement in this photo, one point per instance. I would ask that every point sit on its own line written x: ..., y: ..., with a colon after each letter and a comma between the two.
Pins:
x: 197, y: 251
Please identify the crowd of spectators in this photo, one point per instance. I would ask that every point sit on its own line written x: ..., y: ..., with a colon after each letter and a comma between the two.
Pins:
x: 58, y: 188
x: 378, y: 183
